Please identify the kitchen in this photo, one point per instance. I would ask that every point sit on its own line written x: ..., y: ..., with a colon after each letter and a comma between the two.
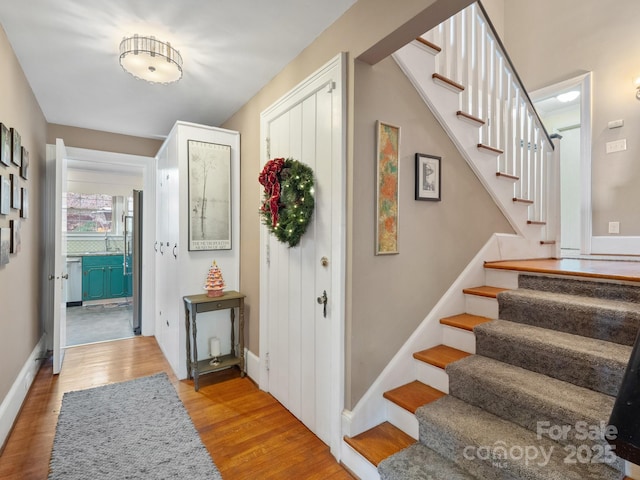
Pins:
x: 102, y: 205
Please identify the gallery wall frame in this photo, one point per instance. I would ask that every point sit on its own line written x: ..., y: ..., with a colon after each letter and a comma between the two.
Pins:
x: 5, y: 145
x: 5, y: 245
x: 5, y: 194
x: 16, y: 239
x: 16, y: 147
x: 24, y: 167
x: 16, y: 193
x: 387, y: 188
x: 24, y: 207
x: 428, y: 177
x: 209, y: 167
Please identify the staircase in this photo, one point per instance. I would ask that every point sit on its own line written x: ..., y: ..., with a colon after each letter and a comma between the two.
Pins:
x: 464, y: 75
x: 500, y: 351
x: 556, y: 355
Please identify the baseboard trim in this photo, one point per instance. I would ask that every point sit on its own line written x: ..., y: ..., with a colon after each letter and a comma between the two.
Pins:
x: 615, y: 245
x: 12, y: 403
x: 252, y: 365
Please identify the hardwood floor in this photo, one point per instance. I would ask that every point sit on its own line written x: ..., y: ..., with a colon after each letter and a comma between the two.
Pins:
x: 247, y: 432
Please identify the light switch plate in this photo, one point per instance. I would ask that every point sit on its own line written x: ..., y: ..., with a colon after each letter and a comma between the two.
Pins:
x: 617, y: 146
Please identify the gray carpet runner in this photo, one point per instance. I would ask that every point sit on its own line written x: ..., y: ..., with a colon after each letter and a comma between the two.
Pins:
x: 534, y: 400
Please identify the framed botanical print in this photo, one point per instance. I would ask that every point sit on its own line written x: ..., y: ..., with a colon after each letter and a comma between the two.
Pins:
x: 209, y: 196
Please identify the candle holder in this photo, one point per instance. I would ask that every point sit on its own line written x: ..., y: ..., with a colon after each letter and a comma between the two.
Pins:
x: 214, y: 351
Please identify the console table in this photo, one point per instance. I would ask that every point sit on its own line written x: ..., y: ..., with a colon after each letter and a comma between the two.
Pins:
x: 194, y: 304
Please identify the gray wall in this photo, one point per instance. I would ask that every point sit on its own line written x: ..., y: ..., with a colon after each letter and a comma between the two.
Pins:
x: 392, y: 294
x: 550, y: 41
x: 20, y: 280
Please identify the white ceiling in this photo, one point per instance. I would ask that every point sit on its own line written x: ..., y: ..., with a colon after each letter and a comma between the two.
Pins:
x: 68, y: 50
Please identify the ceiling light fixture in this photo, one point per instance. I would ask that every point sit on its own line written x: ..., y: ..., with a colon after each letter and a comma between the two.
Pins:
x: 149, y: 59
x: 568, y: 96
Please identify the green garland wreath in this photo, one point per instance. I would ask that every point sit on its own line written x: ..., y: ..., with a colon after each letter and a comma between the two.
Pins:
x: 287, y: 204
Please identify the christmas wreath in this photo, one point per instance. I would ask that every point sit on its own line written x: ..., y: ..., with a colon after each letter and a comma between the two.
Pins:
x: 287, y: 204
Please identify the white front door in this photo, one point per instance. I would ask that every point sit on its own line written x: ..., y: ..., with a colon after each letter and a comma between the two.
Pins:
x: 60, y: 258
x: 301, y: 345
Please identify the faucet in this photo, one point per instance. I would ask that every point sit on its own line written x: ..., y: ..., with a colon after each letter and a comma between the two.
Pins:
x: 106, y: 241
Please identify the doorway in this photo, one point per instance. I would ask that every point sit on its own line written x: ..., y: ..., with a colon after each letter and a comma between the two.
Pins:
x: 105, y: 166
x: 565, y: 109
x: 99, y: 203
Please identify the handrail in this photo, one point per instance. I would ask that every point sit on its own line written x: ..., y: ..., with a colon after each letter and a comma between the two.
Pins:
x: 513, y: 68
x: 473, y: 56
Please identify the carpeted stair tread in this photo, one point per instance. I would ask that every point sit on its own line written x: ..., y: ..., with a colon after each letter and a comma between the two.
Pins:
x: 525, y: 397
x: 413, y: 395
x: 418, y: 462
x: 440, y: 356
x: 455, y: 430
x: 583, y: 361
x: 611, y: 320
x: 379, y: 442
x: 587, y: 288
x: 465, y: 321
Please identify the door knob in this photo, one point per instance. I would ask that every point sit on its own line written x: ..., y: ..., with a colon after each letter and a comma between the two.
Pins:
x: 322, y: 300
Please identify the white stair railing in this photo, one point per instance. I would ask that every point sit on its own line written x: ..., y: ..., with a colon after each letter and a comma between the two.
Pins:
x: 473, y: 56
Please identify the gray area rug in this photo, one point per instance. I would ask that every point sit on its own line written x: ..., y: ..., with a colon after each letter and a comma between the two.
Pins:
x: 131, y: 430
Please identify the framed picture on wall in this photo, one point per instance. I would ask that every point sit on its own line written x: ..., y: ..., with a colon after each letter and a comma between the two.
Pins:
x: 428, y: 177
x: 5, y: 245
x: 387, y: 184
x: 24, y: 168
x: 5, y: 194
x: 16, y: 147
x: 16, y: 193
x: 16, y: 241
x: 209, y: 178
x: 24, y: 209
x: 5, y: 145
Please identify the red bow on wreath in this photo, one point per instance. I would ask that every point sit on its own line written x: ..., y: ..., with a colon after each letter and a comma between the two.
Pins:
x: 269, y: 180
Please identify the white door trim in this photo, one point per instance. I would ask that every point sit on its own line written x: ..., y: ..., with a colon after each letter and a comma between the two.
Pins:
x: 147, y: 165
x: 338, y: 241
x: 584, y: 83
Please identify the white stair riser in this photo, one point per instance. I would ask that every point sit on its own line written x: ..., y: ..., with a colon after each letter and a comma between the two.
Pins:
x: 360, y: 466
x: 458, y: 338
x: 501, y: 278
x: 403, y: 419
x: 483, y: 306
x: 432, y: 376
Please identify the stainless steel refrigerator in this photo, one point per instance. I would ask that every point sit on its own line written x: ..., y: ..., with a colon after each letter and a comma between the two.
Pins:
x: 133, y: 258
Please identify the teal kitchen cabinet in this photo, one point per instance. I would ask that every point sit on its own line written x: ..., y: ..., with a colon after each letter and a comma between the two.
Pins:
x: 103, y: 277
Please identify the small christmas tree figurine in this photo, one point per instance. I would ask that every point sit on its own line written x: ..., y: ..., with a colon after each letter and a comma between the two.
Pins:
x: 215, y: 283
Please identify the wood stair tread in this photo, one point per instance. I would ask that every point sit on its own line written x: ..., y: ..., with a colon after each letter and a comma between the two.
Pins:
x: 430, y: 45
x: 489, y: 149
x: 447, y: 83
x: 380, y: 442
x: 470, y: 118
x: 465, y: 321
x: 413, y: 395
x: 523, y: 200
x: 484, y: 291
x: 507, y: 176
x: 440, y: 355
